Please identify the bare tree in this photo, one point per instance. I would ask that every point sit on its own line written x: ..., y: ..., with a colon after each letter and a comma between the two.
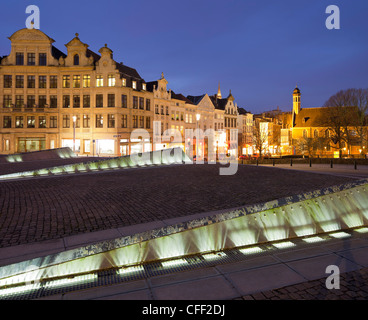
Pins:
x: 346, y: 118
x: 306, y: 146
x: 260, y: 138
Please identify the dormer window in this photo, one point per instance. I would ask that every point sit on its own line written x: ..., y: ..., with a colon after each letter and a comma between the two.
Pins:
x: 134, y: 84
x: 111, y: 80
x: 76, y: 60
x: 144, y: 87
x: 99, y: 81
x: 123, y: 82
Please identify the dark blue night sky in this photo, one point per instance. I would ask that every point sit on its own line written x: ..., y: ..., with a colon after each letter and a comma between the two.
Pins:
x: 258, y: 49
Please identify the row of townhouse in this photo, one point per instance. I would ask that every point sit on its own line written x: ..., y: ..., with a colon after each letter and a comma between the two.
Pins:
x: 93, y: 104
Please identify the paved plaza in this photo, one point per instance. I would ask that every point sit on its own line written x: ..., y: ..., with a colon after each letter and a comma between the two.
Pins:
x: 38, y: 209
x: 53, y: 213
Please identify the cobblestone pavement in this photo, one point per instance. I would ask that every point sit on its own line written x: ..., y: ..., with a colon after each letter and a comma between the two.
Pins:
x: 353, y: 286
x: 39, y: 209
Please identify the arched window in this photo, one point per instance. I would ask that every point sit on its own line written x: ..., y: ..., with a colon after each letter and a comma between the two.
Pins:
x: 305, y: 133
x: 76, y: 60
x: 327, y: 133
x: 316, y: 133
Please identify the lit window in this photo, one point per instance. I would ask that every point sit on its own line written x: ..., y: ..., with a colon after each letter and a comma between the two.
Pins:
x: 76, y: 81
x: 99, y: 81
x: 31, y: 121
x: 144, y: 87
x: 134, y: 84
x: 86, y: 121
x: 123, y: 82
x: 111, y: 121
x: 99, y: 121
x: 86, y: 81
x: 19, y: 122
x: 111, y: 81
x: 7, y: 99
x: 42, y: 122
x: 66, y: 81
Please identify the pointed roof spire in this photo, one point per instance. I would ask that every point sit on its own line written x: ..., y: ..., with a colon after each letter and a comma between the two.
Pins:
x: 219, y: 96
x: 230, y: 97
x: 296, y: 90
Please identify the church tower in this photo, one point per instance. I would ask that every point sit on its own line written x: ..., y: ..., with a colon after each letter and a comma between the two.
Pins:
x: 296, y: 100
x: 296, y: 104
x: 219, y: 96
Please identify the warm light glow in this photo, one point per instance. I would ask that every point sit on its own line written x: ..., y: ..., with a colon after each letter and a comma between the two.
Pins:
x: 313, y: 239
x: 251, y: 250
x: 130, y: 270
x: 71, y: 281
x: 339, y: 235
x: 198, y: 116
x: 20, y: 289
x: 174, y: 263
x: 213, y: 256
x: 283, y: 245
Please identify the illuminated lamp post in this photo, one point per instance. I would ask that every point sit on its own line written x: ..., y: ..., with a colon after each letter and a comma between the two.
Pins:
x: 198, y: 117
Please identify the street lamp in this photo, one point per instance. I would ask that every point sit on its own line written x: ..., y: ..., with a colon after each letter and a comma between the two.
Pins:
x: 198, y: 117
x: 74, y: 121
